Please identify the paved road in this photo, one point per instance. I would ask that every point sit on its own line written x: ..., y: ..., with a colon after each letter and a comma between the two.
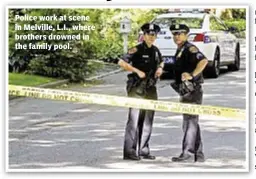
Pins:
x: 47, y: 134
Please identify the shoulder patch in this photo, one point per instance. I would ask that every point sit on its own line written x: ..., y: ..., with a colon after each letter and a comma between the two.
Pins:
x: 193, y: 49
x: 199, y: 56
x: 132, y: 50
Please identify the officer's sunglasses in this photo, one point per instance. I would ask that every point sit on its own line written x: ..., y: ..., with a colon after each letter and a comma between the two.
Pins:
x: 150, y: 33
x: 177, y: 33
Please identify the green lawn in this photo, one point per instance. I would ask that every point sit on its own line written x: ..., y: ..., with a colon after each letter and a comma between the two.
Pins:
x: 28, y: 80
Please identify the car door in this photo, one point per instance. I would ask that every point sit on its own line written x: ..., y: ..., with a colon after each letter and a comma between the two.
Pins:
x: 222, y: 37
x: 230, y: 40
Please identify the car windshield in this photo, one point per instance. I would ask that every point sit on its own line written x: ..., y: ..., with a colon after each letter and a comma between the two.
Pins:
x: 193, y: 23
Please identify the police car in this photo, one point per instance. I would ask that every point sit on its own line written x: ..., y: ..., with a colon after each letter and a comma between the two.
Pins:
x: 215, y: 40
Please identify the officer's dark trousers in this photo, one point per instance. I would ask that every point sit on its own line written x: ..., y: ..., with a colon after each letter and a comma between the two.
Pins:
x: 139, y: 126
x: 192, y: 142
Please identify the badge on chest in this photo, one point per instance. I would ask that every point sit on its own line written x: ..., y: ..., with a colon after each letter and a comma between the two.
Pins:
x: 179, y: 54
x: 145, y: 56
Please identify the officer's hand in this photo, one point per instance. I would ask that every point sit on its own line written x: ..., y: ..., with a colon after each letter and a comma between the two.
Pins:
x: 159, y: 72
x: 141, y: 74
x: 186, y: 76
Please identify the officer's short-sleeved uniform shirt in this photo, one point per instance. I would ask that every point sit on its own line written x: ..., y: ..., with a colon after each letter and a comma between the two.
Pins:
x: 144, y: 58
x: 187, y: 57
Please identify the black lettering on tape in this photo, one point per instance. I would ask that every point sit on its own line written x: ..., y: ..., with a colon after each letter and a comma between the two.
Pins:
x: 14, y: 92
x: 126, y: 102
x: 218, y: 113
x: 34, y: 94
x: 66, y: 97
x: 47, y: 96
x: 160, y: 107
x: 73, y: 98
x: 60, y: 97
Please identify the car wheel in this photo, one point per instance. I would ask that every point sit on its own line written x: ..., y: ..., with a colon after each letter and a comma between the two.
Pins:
x: 214, y: 70
x: 236, y: 65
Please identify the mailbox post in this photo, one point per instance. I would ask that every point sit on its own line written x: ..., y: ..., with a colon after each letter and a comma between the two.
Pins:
x: 125, y: 29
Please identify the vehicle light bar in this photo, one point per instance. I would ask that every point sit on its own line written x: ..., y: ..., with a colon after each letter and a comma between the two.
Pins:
x: 188, y: 10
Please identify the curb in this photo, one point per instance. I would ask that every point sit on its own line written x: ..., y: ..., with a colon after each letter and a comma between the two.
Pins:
x: 103, y: 75
x: 53, y: 84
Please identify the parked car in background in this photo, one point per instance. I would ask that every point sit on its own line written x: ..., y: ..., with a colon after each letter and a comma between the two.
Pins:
x: 213, y: 38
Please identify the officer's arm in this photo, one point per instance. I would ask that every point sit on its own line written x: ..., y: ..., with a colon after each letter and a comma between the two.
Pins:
x: 126, y: 59
x: 160, y: 58
x: 199, y: 58
x: 127, y: 66
x: 200, y: 67
x: 161, y: 65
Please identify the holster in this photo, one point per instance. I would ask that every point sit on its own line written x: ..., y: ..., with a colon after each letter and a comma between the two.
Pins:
x: 152, y: 82
x: 184, y: 88
x: 141, y: 88
x: 133, y: 81
x: 141, y: 84
x: 145, y: 84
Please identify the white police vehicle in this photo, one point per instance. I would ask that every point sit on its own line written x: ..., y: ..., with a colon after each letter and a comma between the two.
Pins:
x: 207, y: 32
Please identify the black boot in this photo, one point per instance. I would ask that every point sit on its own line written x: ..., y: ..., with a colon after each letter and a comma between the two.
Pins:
x: 199, y: 157
x: 183, y: 158
x: 131, y: 157
x: 149, y: 157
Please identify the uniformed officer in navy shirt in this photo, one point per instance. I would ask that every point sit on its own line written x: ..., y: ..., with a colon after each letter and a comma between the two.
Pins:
x: 189, y: 65
x: 145, y: 62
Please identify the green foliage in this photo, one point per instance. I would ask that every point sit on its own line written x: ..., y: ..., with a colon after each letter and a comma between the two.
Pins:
x: 94, y: 65
x: 227, y: 14
x: 239, y: 13
x: 235, y: 18
x: 106, y: 41
x: 66, y: 65
x: 240, y: 25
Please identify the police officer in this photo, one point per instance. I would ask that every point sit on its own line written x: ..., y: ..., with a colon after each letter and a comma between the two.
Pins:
x: 189, y: 65
x: 145, y: 62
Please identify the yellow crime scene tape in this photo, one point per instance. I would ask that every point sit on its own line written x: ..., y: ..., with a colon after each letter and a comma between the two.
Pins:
x: 110, y: 100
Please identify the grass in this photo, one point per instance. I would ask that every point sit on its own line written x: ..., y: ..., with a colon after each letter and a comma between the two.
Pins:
x: 28, y: 80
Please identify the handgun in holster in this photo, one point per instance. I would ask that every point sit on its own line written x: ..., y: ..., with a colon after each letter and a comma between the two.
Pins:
x: 184, y: 88
x: 146, y: 83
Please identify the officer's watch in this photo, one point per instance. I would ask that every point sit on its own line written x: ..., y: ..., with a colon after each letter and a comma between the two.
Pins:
x: 193, y: 77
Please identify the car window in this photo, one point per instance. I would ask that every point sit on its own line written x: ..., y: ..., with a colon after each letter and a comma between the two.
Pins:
x: 216, y: 25
x: 193, y: 23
